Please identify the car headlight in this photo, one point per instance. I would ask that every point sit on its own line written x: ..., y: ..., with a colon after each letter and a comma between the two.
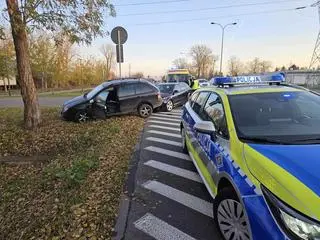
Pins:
x: 166, y: 99
x: 295, y: 224
x: 65, y: 108
x: 302, y: 229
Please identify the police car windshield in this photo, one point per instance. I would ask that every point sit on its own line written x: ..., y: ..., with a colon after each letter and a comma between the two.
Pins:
x: 278, y: 118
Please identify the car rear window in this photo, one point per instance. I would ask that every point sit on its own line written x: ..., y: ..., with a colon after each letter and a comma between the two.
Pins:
x: 142, y: 88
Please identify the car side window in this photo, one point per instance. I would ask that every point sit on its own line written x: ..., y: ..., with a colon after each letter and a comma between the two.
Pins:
x: 126, y: 90
x: 177, y: 88
x: 214, y: 111
x: 193, y: 98
x: 184, y: 86
x: 142, y: 88
x: 101, y: 98
x: 198, y: 104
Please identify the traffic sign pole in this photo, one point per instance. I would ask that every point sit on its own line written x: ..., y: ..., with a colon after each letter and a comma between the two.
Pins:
x: 119, y: 34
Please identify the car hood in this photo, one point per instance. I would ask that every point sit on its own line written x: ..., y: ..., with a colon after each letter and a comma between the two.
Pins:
x: 75, y: 101
x: 292, y: 171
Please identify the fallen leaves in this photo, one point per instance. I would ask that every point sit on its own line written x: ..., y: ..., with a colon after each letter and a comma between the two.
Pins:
x: 75, y: 194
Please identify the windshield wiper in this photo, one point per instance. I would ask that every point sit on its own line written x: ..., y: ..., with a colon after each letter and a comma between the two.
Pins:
x: 315, y: 139
x: 262, y: 140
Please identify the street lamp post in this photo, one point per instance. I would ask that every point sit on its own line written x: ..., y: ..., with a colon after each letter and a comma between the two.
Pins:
x: 223, y: 27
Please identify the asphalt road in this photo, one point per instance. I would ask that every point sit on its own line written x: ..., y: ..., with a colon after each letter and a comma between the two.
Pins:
x: 168, y: 200
x: 43, y: 101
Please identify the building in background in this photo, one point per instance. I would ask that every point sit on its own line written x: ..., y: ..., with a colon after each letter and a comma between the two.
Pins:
x: 12, y: 83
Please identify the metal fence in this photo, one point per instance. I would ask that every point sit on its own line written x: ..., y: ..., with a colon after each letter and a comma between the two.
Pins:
x: 309, y: 79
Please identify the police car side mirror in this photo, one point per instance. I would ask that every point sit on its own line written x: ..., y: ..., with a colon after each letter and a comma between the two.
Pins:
x: 206, y: 127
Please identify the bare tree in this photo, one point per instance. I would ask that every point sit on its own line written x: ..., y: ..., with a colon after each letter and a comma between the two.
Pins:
x: 81, y: 21
x: 181, y: 63
x: 138, y: 75
x: 265, y: 66
x: 259, y: 66
x: 62, y: 59
x: 203, y: 59
x: 235, y: 66
x: 109, y: 54
x: 254, y: 66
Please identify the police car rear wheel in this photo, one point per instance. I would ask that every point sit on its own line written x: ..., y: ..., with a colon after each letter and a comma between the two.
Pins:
x: 229, y: 216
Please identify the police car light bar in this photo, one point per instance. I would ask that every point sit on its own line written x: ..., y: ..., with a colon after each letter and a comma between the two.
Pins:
x: 258, y: 79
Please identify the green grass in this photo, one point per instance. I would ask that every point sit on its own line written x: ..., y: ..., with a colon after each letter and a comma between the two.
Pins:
x: 75, y: 192
x: 62, y: 94
x: 77, y: 172
x: 55, y: 93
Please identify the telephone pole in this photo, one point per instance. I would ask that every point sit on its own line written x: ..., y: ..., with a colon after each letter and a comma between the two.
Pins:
x: 315, y: 60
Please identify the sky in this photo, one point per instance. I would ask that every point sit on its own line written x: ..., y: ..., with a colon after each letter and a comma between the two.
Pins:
x: 282, y: 37
x: 271, y: 31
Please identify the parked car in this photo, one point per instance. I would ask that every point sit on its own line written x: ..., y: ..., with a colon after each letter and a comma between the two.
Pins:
x: 114, y: 97
x: 204, y: 83
x: 173, y: 94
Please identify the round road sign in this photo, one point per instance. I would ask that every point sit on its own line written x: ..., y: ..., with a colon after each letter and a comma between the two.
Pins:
x: 119, y: 35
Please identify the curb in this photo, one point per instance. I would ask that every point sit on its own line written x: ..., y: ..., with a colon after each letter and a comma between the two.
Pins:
x: 128, y: 190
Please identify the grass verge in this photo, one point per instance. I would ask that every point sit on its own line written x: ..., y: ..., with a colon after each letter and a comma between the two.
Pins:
x: 74, y: 192
x: 54, y: 93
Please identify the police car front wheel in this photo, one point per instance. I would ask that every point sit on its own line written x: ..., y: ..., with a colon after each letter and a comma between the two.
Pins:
x: 229, y: 216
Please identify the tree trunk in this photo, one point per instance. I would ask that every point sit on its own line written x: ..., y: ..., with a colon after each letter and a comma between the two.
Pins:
x: 28, y: 90
x: 5, y: 85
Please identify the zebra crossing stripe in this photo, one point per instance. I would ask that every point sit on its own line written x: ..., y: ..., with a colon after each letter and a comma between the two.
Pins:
x: 165, y: 119
x: 181, y: 197
x: 170, y: 113
x: 161, y: 140
x: 177, y: 129
x: 174, y: 170
x: 165, y: 133
x: 167, y: 115
x: 159, y: 229
x: 168, y: 152
x: 165, y: 123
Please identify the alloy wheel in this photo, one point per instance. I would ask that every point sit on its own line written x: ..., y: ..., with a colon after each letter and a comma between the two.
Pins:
x: 83, y: 117
x: 145, y: 111
x: 169, y: 106
x: 232, y: 221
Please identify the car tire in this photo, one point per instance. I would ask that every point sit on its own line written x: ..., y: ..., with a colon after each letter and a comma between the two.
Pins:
x: 183, y: 140
x: 81, y: 116
x: 145, y: 110
x: 229, y: 215
x: 169, y: 106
